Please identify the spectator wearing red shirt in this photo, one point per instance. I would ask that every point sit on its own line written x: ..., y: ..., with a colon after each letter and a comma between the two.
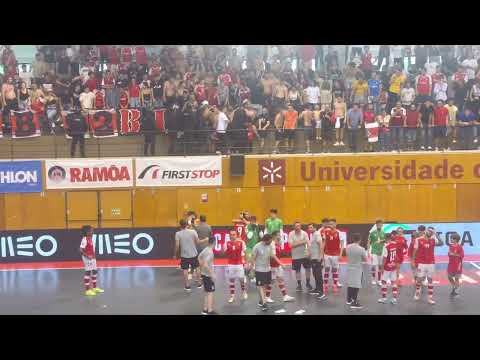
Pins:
x: 141, y: 55
x: 423, y: 87
x: 397, y: 123
x: 92, y: 82
x: 440, y: 122
x: 212, y: 95
x: 369, y: 117
x: 413, y: 122
x: 134, y: 94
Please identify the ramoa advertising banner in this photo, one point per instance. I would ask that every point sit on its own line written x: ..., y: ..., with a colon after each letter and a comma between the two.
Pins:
x: 179, y: 171
x: 21, y: 176
x: 88, y: 173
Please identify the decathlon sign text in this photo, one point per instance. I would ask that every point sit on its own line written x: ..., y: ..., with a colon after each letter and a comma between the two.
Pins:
x: 21, y: 176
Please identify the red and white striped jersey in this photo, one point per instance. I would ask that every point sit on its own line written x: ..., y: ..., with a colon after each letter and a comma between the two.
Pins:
x: 87, y: 245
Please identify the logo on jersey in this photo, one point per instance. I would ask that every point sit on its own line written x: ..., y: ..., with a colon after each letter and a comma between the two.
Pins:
x: 271, y: 172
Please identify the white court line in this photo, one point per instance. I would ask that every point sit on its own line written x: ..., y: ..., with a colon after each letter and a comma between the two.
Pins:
x: 475, y: 265
x: 468, y: 279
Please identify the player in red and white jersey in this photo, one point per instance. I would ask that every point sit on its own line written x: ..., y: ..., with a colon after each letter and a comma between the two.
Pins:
x: 402, y: 249
x: 324, y: 228
x: 235, y: 252
x: 277, y: 272
x: 332, y: 252
x: 455, y: 260
x: 126, y: 55
x: 225, y: 78
x: 240, y: 225
x: 423, y: 84
x: 141, y: 55
x: 460, y: 76
x: 88, y: 256
x: 424, y: 258
x: 390, y: 263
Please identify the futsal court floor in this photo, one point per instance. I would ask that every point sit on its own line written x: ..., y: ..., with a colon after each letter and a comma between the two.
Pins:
x: 150, y: 288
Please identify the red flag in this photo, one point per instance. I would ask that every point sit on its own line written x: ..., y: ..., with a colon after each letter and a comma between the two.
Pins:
x: 130, y: 121
x: 372, y: 131
x: 160, y: 119
x: 103, y: 123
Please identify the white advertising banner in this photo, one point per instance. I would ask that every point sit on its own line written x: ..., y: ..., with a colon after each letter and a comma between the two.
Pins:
x: 179, y: 171
x: 88, y: 173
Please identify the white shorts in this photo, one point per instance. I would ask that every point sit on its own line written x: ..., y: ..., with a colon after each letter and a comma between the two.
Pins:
x: 389, y: 275
x: 235, y: 271
x: 425, y: 270
x: 376, y: 260
x: 90, y: 264
x: 277, y: 273
x: 330, y: 261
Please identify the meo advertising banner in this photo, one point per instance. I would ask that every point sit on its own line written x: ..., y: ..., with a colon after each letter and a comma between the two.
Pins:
x: 88, y: 173
x: 21, y: 176
x: 179, y: 171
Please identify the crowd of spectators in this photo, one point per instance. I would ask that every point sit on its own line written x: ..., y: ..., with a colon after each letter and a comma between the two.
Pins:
x: 422, y: 97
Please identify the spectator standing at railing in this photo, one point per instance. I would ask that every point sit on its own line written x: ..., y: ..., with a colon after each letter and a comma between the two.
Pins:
x: 148, y: 129
x: 77, y: 129
x: 426, y: 111
x: 23, y: 97
x: 397, y: 125
x: 354, y: 120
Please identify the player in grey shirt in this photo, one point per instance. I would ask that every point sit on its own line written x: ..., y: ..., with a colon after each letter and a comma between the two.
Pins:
x: 356, y: 255
x: 204, y: 232
x: 262, y: 252
x: 298, y: 241
x: 186, y: 241
x: 208, y: 276
x: 316, y: 257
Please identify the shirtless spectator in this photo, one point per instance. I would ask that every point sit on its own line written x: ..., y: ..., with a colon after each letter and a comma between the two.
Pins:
x: 267, y: 90
x: 169, y: 92
x: 9, y: 98
x: 280, y: 95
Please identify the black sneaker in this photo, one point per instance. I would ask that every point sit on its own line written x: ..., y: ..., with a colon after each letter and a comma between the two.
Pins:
x: 188, y: 289
x: 299, y: 288
x: 264, y: 307
x: 204, y: 312
x: 212, y: 313
x: 314, y: 292
x: 356, y: 306
x: 322, y: 297
x: 455, y: 293
x: 309, y: 287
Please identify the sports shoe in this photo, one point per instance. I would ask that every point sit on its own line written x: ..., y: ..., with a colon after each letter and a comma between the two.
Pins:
x: 269, y: 300
x: 204, y: 312
x: 309, y: 287
x: 244, y: 295
x: 264, y: 307
x: 341, y: 143
x: 187, y: 289
x: 431, y: 301
x: 314, y: 292
x: 259, y: 304
x: 253, y: 280
x: 322, y: 297
x: 475, y: 141
x: 379, y: 283
x: 422, y: 147
x: 454, y: 141
x: 416, y: 297
x: 199, y: 285
x: 455, y: 293
x: 339, y: 285
x: 356, y: 306
x: 98, y: 290
x: 90, y: 292
x: 336, y: 143
x: 394, y: 301
x: 350, y: 302
x: 288, y: 298
x: 374, y: 282
x: 382, y: 300
x: 231, y: 299
x: 430, y: 148
x: 299, y: 288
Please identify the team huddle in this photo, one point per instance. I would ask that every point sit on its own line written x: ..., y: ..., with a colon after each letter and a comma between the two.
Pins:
x: 253, y: 256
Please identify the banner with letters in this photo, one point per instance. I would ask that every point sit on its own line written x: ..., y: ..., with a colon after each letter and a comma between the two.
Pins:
x: 25, y: 124
x: 103, y: 123
x: 179, y: 171
x: 88, y: 173
x: 21, y: 176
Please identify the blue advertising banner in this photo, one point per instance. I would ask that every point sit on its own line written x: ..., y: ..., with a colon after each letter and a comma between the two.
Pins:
x: 469, y: 235
x: 21, y: 176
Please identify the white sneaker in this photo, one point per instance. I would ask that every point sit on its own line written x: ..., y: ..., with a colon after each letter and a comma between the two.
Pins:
x: 341, y: 143
x: 252, y: 280
x: 416, y: 297
x: 244, y: 295
x: 429, y: 148
x: 231, y: 300
x: 336, y: 143
x: 288, y: 298
x: 382, y: 300
x: 269, y: 300
x: 475, y: 141
x: 339, y: 285
x: 454, y: 141
x: 374, y: 282
x: 422, y: 147
x: 379, y: 283
x: 431, y: 301
x: 394, y: 301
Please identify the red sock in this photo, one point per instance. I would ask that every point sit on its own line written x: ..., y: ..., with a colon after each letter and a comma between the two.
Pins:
x: 268, y: 290
x: 335, y: 277
x: 430, y: 290
x: 326, y: 275
x: 395, y: 291
x: 384, y: 289
x: 86, y: 281
x: 282, y: 288
x: 242, y: 284
x: 94, y: 280
x: 231, y: 286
